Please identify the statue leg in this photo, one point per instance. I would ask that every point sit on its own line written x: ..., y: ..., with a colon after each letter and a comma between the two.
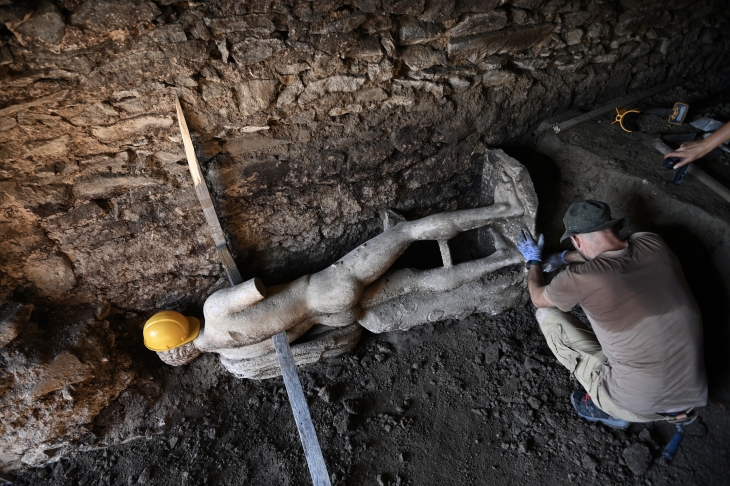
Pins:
x: 340, y: 286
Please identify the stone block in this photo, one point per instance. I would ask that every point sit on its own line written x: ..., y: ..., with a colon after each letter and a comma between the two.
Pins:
x: 13, y: 318
x: 404, y: 7
x: 95, y: 114
x: 573, y: 36
x: 251, y: 51
x: 256, y: 95
x: 575, y: 19
x: 477, y: 47
x: 466, y: 6
x: 414, y: 31
x: 46, y: 23
x: 334, y: 84
x: 131, y: 128
x: 64, y: 370
x: 106, y: 15
x: 479, y: 23
x: 365, y: 50
x: 341, y: 22
x: 247, y: 24
x: 422, y: 57
x: 52, y: 275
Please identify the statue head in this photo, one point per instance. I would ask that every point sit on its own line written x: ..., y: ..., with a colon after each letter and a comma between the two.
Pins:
x: 171, y: 335
x: 180, y: 355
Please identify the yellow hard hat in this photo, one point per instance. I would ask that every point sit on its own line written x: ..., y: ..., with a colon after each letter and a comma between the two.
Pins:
x: 169, y: 329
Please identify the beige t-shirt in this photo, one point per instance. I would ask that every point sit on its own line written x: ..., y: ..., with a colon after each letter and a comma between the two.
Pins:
x: 647, y: 322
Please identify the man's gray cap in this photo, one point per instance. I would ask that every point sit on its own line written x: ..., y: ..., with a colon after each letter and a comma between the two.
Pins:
x: 588, y: 216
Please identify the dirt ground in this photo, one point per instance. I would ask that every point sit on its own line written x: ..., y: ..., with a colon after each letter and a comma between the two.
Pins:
x: 479, y: 401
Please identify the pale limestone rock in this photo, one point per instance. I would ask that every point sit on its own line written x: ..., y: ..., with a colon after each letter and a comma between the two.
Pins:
x: 256, y: 95
x: 64, y: 370
x: 131, y: 127
x: 13, y: 319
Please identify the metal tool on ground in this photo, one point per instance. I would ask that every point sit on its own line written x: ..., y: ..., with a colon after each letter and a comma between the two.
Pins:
x: 691, y: 169
x: 302, y: 417
x: 671, y: 449
x: 628, y: 119
x: 627, y: 100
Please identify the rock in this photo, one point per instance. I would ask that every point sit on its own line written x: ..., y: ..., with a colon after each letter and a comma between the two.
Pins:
x: 251, y: 51
x: 343, y: 21
x: 575, y: 19
x: 588, y: 463
x: 52, y: 275
x: 404, y: 7
x: 422, y: 57
x: 491, y: 354
x: 13, y: 318
x: 573, y: 36
x: 638, y: 458
x: 107, y: 185
x: 479, y: 23
x: 146, y: 475
x: 327, y: 394
x: 464, y: 6
x: 64, y: 370
x: 477, y: 47
x: 106, y: 15
x: 380, y: 73
x: 256, y: 95
x: 370, y: 95
x: 334, y: 84
x: 413, y: 31
x: 366, y: 50
x: 250, y: 25
x: 46, y: 23
x: 96, y: 114
x: 131, y: 127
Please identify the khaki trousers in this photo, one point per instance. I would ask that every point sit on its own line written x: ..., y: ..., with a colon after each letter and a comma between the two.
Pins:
x: 577, y: 348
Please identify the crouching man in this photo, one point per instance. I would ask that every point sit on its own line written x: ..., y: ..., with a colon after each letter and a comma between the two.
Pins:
x: 642, y: 360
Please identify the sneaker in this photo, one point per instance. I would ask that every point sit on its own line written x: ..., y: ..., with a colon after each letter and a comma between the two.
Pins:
x: 588, y: 410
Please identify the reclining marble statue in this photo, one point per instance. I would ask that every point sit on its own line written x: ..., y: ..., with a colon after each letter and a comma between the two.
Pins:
x: 323, y: 313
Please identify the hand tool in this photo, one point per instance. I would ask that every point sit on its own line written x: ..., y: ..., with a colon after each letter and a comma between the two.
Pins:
x: 302, y: 417
x: 671, y: 449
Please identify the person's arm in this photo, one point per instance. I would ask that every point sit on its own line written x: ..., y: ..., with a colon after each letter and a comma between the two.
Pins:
x: 536, y: 286
x: 691, y: 151
x: 556, y: 261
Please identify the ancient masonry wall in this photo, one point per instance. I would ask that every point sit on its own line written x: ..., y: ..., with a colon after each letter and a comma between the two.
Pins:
x: 310, y: 116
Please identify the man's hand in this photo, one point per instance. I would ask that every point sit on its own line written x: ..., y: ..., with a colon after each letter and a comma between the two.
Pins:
x: 554, y: 261
x: 530, y: 249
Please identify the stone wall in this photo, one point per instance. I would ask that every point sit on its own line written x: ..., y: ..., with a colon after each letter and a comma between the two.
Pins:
x: 309, y: 117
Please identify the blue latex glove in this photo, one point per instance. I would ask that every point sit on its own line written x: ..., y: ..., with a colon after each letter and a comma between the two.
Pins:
x: 554, y: 261
x: 529, y: 248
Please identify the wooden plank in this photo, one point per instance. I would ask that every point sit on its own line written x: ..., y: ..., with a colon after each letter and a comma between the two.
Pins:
x: 627, y: 100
